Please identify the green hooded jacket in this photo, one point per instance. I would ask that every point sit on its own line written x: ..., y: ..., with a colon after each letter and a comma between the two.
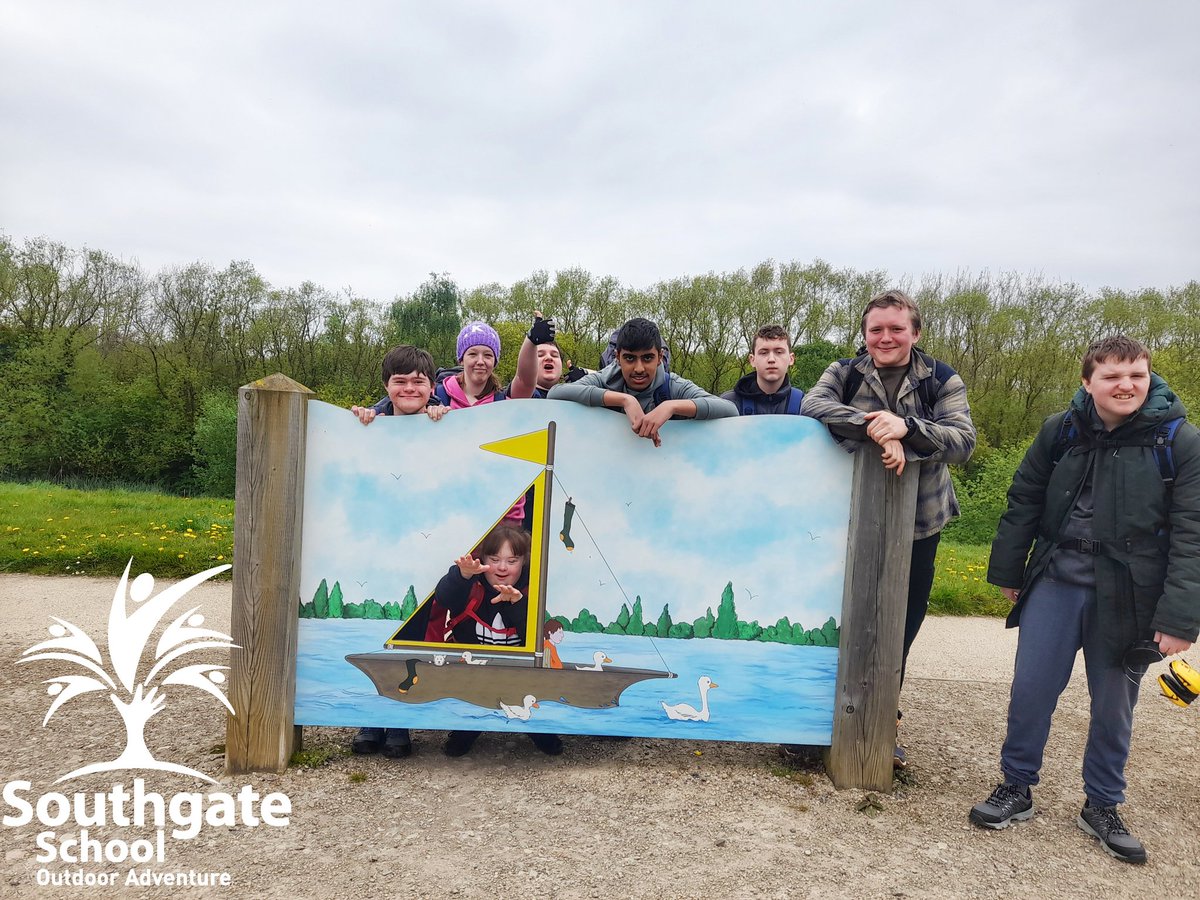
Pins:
x: 1148, y: 573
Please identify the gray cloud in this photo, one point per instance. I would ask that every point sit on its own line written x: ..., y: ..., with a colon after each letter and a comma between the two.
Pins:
x: 370, y: 145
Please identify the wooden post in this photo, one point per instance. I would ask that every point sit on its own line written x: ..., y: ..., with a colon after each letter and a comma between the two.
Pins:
x: 269, y: 496
x: 874, y: 601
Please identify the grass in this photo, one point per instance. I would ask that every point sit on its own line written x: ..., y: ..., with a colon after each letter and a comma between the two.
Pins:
x: 48, y: 529
x: 314, y: 758
x: 960, y: 587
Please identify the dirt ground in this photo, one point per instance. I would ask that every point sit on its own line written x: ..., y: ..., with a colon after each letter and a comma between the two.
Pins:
x: 614, y: 819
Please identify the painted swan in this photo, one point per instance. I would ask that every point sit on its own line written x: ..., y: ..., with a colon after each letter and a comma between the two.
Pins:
x: 682, y: 712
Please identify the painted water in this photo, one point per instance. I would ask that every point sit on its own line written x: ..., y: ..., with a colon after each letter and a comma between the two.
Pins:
x: 766, y: 692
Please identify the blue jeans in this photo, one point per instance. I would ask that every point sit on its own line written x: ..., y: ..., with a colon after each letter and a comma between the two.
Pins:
x: 1056, y: 621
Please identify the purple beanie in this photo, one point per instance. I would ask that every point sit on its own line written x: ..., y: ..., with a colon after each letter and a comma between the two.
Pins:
x: 477, y: 334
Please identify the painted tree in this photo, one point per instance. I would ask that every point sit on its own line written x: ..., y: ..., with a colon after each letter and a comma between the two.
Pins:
x: 136, y: 696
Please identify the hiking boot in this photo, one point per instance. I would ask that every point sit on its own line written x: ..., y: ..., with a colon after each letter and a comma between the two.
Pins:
x: 397, y: 744
x: 800, y: 754
x: 459, y: 743
x: 550, y: 744
x: 1008, y: 803
x: 1102, y: 822
x: 367, y: 741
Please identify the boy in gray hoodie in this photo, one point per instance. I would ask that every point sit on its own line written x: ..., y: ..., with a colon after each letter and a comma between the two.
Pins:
x: 638, y: 385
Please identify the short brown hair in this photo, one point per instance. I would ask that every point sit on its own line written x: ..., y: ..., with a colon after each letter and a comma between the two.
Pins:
x: 516, y: 538
x: 770, y: 333
x: 893, y: 298
x: 1116, y: 347
x: 405, y: 360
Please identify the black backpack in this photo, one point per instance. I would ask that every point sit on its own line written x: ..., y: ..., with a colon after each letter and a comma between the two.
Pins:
x: 1162, y: 445
x: 750, y: 407
x: 929, y: 388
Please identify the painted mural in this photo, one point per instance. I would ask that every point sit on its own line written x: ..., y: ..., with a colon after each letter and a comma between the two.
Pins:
x: 534, y: 566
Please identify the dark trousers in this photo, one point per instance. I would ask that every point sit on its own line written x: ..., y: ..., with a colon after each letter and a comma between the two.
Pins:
x: 920, y: 583
x: 1056, y: 621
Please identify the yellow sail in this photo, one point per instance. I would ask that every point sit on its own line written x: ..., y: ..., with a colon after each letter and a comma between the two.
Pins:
x: 532, y: 447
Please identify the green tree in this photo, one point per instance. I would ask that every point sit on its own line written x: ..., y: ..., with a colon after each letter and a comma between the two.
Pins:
x: 635, y: 625
x: 726, y: 627
x: 409, y: 605
x: 335, y: 601
x: 321, y: 601
x: 664, y: 621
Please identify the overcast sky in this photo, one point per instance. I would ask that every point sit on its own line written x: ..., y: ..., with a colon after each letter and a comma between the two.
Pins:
x: 366, y: 145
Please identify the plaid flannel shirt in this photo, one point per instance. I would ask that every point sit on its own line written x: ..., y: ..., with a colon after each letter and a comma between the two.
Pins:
x: 947, y: 437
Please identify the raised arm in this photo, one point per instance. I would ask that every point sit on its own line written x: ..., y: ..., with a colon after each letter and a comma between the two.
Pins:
x: 525, y: 381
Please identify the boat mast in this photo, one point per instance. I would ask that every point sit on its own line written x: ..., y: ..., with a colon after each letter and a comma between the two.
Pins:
x: 540, y: 625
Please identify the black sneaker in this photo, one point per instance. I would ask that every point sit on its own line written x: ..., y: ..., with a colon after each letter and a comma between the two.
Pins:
x: 550, y: 744
x: 397, y: 744
x: 459, y: 743
x: 367, y: 741
x: 1103, y: 822
x: 1007, y: 803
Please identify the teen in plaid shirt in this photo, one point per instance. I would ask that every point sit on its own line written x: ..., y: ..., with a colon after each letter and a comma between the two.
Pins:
x: 916, y: 409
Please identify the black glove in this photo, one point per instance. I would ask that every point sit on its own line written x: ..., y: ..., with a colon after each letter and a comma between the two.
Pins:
x: 574, y: 373
x: 542, y: 331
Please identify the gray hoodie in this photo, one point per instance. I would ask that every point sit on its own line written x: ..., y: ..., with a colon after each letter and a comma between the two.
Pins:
x: 590, y: 389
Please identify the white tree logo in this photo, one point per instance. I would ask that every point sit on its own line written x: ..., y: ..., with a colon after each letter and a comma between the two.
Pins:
x: 136, y: 700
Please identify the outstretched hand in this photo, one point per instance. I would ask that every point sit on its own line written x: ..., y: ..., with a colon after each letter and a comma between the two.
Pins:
x: 506, y: 593
x: 469, y: 566
x: 542, y: 330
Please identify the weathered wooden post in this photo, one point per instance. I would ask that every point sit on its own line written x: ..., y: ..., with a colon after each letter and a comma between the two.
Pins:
x: 272, y: 420
x: 874, y: 601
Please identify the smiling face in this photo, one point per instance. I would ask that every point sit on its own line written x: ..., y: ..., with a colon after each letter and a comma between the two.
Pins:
x: 478, y: 363
x: 1119, y: 388
x: 506, y: 566
x: 770, y: 361
x: 549, y: 366
x: 638, y: 367
x: 890, y: 336
x: 409, y: 393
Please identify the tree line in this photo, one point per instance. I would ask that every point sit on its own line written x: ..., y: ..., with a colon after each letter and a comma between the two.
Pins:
x: 113, y: 372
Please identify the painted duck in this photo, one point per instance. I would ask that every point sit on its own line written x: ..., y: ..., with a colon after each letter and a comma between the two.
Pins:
x: 599, y: 658
x: 471, y: 661
x: 520, y: 712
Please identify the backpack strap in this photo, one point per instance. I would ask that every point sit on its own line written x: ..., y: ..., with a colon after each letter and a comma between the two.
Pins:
x: 440, y: 393
x: 1067, y: 436
x: 794, y: 398
x: 663, y: 392
x: 930, y: 387
x: 1164, y: 453
x: 854, y: 379
x: 746, y: 406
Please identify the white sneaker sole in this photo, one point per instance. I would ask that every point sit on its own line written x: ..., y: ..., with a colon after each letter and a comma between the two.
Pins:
x: 1087, y: 829
x: 999, y: 826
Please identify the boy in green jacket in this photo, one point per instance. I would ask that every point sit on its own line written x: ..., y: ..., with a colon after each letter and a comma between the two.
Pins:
x: 1108, y: 497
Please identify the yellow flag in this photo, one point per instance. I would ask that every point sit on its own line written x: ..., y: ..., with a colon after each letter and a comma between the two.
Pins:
x: 530, y: 447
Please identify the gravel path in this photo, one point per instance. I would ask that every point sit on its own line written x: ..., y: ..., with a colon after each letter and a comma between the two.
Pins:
x: 615, y: 819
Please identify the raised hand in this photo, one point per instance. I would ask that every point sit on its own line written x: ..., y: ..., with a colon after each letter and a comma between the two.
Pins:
x: 542, y: 330
x: 365, y: 414
x: 506, y: 593
x: 469, y: 566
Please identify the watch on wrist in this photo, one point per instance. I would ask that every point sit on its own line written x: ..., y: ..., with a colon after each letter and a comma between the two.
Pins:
x: 911, y: 424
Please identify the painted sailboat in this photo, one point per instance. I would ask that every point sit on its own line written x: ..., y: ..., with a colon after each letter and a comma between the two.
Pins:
x: 414, y: 669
